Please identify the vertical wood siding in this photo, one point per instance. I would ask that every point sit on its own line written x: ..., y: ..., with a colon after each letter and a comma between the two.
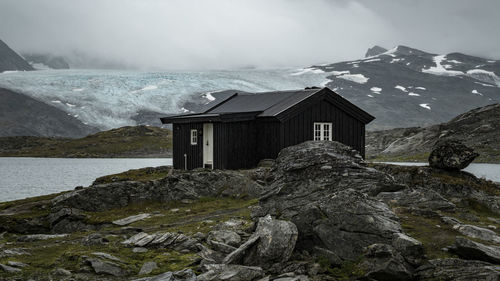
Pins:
x: 346, y: 129
x: 243, y: 144
x: 182, y: 145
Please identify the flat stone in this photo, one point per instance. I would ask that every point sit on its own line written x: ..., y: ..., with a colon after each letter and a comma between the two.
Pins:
x: 106, y: 256
x: 472, y: 250
x: 148, y: 267
x: 9, y: 269
x: 16, y: 264
x: 38, y: 237
x: 61, y: 272
x: 139, y: 250
x: 106, y: 267
x: 131, y: 219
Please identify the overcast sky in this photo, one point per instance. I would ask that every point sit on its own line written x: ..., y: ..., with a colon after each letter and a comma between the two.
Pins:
x: 215, y: 34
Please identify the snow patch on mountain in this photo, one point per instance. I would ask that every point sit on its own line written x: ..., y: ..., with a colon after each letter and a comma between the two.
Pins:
x: 307, y: 70
x: 376, y: 90
x: 439, y: 69
x: 425, y: 105
x: 413, y: 94
x: 475, y: 92
x: 399, y: 87
x: 358, y: 78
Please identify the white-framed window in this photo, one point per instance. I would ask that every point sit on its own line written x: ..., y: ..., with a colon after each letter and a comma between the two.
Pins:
x: 194, y: 137
x: 322, y: 131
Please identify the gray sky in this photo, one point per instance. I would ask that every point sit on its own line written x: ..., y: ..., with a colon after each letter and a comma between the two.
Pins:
x: 214, y: 34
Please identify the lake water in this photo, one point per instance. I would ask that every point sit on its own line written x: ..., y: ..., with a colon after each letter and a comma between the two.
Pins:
x: 486, y: 171
x: 27, y: 177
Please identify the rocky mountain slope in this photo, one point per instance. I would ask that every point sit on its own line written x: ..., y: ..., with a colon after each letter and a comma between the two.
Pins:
x: 478, y: 128
x: 10, y: 60
x: 406, y: 87
x: 138, y: 141
x: 318, y: 213
x: 21, y: 115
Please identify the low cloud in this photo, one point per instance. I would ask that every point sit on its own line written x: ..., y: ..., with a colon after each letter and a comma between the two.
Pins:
x: 222, y: 34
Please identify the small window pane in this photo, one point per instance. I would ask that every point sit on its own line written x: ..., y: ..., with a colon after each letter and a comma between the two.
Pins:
x: 194, y: 137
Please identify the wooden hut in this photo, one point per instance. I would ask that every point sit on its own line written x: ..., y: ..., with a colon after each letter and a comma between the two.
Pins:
x: 240, y: 130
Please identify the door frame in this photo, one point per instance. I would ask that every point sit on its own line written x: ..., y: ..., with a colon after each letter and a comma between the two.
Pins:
x: 208, y: 145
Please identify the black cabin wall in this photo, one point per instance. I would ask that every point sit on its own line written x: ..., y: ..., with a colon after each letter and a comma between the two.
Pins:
x: 345, y: 128
x: 182, y: 145
x: 235, y: 145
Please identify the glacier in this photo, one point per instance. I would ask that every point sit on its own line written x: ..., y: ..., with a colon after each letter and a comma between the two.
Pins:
x: 110, y: 98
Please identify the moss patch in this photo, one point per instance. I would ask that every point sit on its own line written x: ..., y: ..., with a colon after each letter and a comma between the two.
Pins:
x: 144, y: 174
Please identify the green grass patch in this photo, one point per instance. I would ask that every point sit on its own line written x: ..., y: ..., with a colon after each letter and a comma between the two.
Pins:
x: 176, y: 216
x: 433, y: 234
x: 348, y: 270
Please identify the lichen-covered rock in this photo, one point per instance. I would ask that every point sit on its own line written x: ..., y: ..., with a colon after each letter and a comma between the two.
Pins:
x: 451, y: 155
x: 471, y: 250
x: 106, y: 267
x: 176, y: 187
x: 181, y: 275
x: 230, y: 272
x: 458, y: 270
x: 382, y: 262
x: 225, y: 236
x: 275, y: 245
x: 334, y: 209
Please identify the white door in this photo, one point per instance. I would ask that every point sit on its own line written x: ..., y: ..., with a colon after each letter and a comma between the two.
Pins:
x: 208, y: 145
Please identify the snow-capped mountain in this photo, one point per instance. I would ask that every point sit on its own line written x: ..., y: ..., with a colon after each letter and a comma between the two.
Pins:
x: 405, y: 87
x: 401, y: 87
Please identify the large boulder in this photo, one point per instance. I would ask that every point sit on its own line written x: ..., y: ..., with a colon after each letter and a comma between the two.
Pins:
x: 327, y: 191
x: 382, y: 262
x: 272, y: 243
x: 451, y: 155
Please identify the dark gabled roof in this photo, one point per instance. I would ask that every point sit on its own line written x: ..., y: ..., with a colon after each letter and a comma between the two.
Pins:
x: 247, y: 106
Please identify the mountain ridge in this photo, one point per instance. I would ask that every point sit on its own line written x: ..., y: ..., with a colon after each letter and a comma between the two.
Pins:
x: 407, y: 87
x: 12, y: 61
x: 478, y: 128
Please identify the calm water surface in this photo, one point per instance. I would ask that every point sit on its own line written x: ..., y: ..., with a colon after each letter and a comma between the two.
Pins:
x: 22, y: 177
x: 486, y: 171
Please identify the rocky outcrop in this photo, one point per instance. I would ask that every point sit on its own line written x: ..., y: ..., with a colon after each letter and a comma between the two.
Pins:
x: 451, y: 155
x: 471, y: 250
x: 178, y: 186
x: 435, y: 189
x: 477, y: 128
x: 375, y: 50
x: 457, y: 270
x: 382, y: 262
x: 10, y: 60
x: 230, y: 272
x: 181, y: 275
x: 327, y: 191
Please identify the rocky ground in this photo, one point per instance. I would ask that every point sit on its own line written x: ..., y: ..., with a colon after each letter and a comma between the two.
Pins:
x: 478, y: 128
x: 130, y: 141
x: 319, y: 212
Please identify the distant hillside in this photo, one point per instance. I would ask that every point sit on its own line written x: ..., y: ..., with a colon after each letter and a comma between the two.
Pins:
x: 139, y: 141
x: 46, y: 61
x: 10, y: 60
x: 21, y: 115
x: 406, y: 87
x: 478, y: 128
